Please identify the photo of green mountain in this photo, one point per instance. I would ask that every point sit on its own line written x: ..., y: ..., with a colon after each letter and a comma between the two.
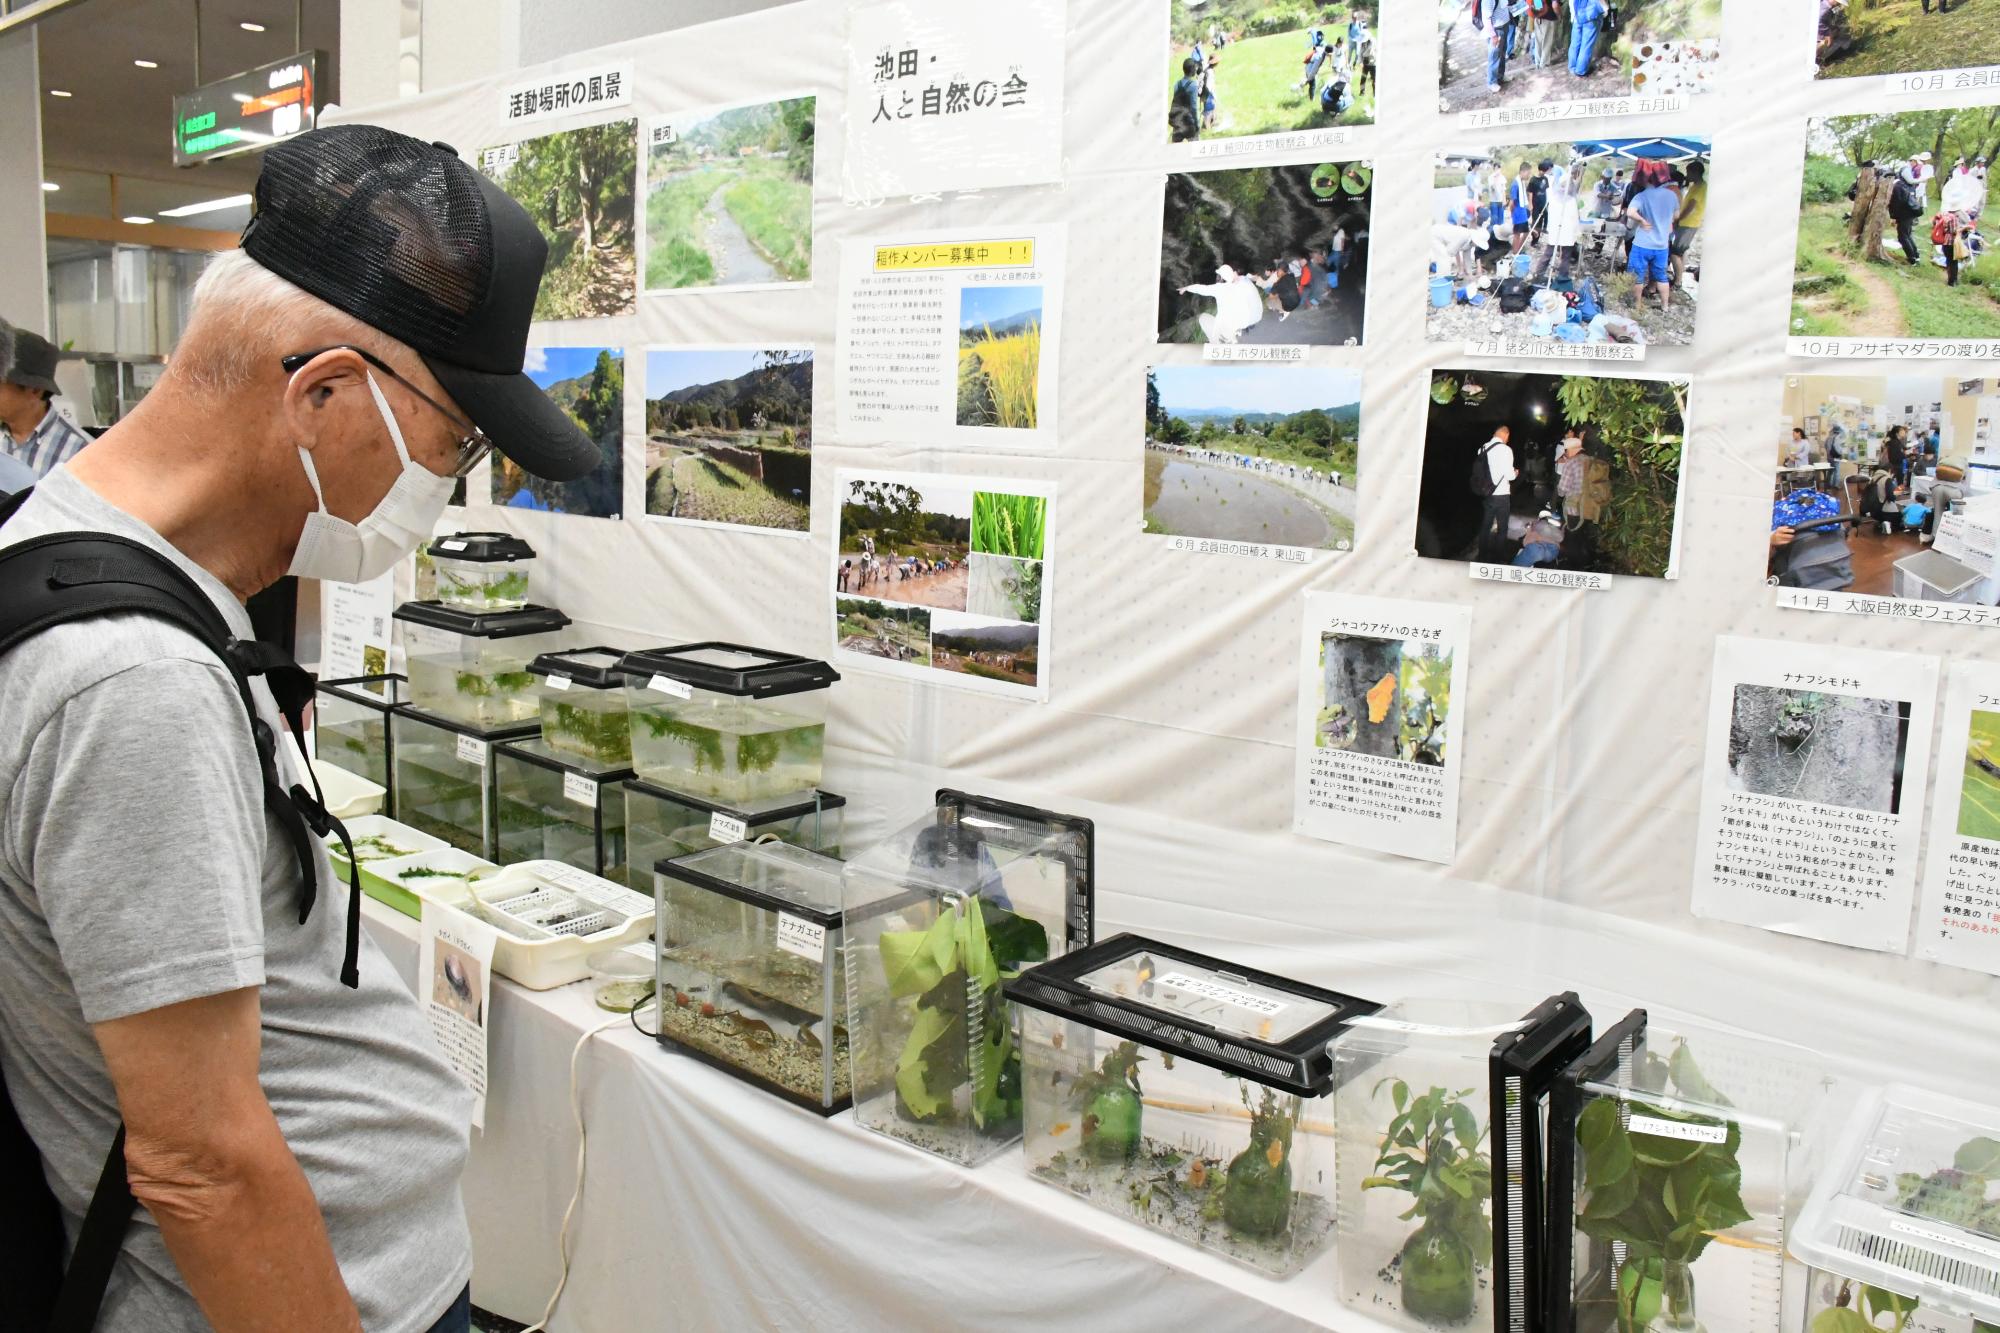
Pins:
x: 589, y: 384
x: 729, y: 435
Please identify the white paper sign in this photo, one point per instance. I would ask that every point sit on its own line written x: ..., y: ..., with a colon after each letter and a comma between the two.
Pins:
x: 556, y: 682
x: 1215, y: 990
x: 455, y: 984
x: 726, y: 828
x: 679, y: 689
x: 354, y: 618
x: 951, y: 337
x: 1381, y: 694
x: 471, y: 750
x: 953, y: 97
x: 1959, y: 922
x: 1679, y: 1129
x: 573, y: 92
x: 578, y: 788
x: 1813, y: 790
x: 805, y: 938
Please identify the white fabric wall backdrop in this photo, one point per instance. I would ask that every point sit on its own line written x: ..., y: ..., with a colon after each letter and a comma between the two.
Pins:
x: 1173, y: 675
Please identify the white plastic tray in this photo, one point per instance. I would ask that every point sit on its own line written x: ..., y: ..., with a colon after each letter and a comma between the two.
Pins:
x: 557, y: 959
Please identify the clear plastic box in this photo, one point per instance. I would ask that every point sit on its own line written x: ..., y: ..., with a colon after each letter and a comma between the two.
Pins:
x: 749, y: 967
x: 1185, y: 1094
x: 725, y: 722
x: 482, y: 571
x: 936, y: 916
x: 552, y: 806
x: 1906, y: 1218
x: 1440, y: 1105
x: 351, y: 724
x: 473, y: 668
x: 661, y: 824
x: 583, y: 704
x: 1688, y: 1152
x: 444, y: 776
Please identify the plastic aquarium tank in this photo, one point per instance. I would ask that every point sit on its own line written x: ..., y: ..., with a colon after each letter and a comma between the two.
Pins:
x: 552, y: 806
x: 1186, y: 1094
x: 472, y: 667
x: 1902, y: 1231
x: 661, y: 824
x: 1689, y: 1151
x: 444, y: 777
x: 749, y: 967
x: 1441, y: 1105
x: 482, y: 571
x: 582, y: 704
x: 726, y: 722
x: 351, y: 723
x: 938, y: 915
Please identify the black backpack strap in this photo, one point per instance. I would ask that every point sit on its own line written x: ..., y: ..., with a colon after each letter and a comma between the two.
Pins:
x: 97, y: 1244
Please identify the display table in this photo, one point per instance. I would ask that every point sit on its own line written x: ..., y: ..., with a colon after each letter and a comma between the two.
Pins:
x: 707, y: 1204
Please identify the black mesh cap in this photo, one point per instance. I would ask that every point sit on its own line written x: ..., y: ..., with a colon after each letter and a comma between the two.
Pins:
x: 410, y: 240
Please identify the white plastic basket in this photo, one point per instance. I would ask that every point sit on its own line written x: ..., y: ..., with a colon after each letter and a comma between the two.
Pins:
x: 348, y: 795
x: 552, y: 917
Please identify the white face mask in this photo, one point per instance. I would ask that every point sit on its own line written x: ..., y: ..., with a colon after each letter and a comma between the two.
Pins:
x: 334, y: 549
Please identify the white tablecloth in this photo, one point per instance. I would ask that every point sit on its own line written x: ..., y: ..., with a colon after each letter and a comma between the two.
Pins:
x: 710, y: 1205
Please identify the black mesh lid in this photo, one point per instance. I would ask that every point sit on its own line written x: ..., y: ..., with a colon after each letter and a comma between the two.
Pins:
x: 483, y: 624
x: 730, y: 668
x: 482, y: 547
x: 771, y: 810
x: 592, y: 668
x: 381, y: 691
x: 504, y: 731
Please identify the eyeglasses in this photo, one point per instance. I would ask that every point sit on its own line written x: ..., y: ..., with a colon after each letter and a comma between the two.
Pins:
x: 473, y: 446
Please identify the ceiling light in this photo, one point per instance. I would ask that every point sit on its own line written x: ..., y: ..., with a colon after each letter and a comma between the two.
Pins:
x: 206, y: 206
x: 61, y: 92
x: 251, y: 27
x: 50, y: 186
x: 147, y: 64
x: 138, y: 221
x: 240, y: 97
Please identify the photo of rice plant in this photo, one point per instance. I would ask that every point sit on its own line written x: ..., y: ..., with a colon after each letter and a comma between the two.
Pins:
x: 877, y: 629
x: 588, y: 383
x: 1828, y: 749
x: 1009, y: 524
x: 1384, y: 697
x: 577, y: 185
x: 729, y: 197
x: 1979, y: 797
x: 729, y: 435
x: 999, y: 356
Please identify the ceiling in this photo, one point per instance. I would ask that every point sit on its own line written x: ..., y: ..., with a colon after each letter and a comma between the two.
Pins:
x: 119, y: 117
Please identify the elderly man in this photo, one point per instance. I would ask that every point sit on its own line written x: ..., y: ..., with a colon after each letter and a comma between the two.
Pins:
x: 32, y: 432
x: 1237, y: 305
x: 295, y: 1144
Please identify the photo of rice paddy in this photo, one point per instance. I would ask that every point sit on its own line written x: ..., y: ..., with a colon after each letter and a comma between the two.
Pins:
x: 999, y: 356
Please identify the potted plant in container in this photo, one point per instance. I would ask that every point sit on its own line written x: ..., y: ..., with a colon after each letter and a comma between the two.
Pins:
x: 1431, y: 1151
x: 1257, y: 1189
x: 1112, y: 1109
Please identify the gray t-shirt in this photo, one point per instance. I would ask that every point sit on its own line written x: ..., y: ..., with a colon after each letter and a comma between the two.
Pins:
x: 138, y: 869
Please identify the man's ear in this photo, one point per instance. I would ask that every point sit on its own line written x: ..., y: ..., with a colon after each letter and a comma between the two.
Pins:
x: 318, y: 389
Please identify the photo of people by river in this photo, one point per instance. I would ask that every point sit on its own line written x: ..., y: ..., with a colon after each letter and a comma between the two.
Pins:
x: 729, y: 435
x: 729, y: 197
x: 1238, y: 67
x: 1525, y: 53
x: 1255, y: 454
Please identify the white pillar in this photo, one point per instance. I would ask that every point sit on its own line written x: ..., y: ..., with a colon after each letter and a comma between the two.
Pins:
x: 24, y: 278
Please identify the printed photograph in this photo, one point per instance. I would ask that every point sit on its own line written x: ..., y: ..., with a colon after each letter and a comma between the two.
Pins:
x: 1590, y: 242
x: 1249, y: 453
x: 975, y: 647
x: 1866, y: 468
x: 1518, y: 53
x: 895, y: 633
x: 729, y: 197
x: 1568, y: 472
x: 588, y: 383
x: 1273, y: 255
x: 1892, y: 232
x: 1012, y: 525
x: 1979, y: 796
x: 999, y: 355
x: 901, y: 544
x: 1828, y: 749
x: 1860, y: 37
x: 1384, y: 697
x: 1004, y: 588
x: 577, y: 186
x: 1239, y: 67
x: 729, y: 435
x: 456, y: 982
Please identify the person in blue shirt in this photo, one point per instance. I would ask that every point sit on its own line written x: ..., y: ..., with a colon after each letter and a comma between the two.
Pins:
x: 1184, y: 108
x: 1652, y: 214
x: 1586, y: 17
x: 1499, y: 19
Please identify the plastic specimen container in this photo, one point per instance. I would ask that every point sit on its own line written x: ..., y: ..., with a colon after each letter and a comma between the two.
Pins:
x: 937, y: 916
x: 1442, y: 1166
x: 553, y: 918
x: 444, y: 776
x: 351, y: 724
x: 473, y: 667
x: 482, y: 571
x: 582, y: 704
x: 553, y: 806
x: 750, y: 967
x: 661, y: 824
x: 1186, y: 1094
x: 725, y: 722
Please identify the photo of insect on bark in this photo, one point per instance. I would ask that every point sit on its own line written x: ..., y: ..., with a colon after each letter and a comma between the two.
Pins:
x: 1384, y: 697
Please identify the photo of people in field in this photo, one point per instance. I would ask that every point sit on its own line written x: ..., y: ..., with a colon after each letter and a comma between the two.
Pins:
x: 588, y: 383
x: 1861, y: 37
x: 1266, y: 255
x: 877, y: 629
x: 729, y: 435
x: 1523, y: 53
x: 1597, y: 241
x: 902, y: 544
x: 729, y: 197
x: 999, y: 355
x: 577, y: 186
x: 1239, y: 67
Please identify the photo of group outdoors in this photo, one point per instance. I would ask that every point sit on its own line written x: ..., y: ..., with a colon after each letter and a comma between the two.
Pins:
x: 1867, y: 470
x: 729, y: 435
x: 999, y: 355
x: 1979, y: 795
x: 729, y: 197
x: 577, y: 185
x: 1845, y: 750
x: 1892, y: 221
x: 1263, y: 454
x: 1862, y: 37
x: 1590, y: 242
x: 588, y: 383
x: 1241, y: 67
x: 1384, y: 697
x: 1266, y: 255
x: 1503, y: 53
x: 1567, y: 472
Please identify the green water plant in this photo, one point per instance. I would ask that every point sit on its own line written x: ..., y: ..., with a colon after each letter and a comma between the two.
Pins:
x: 1257, y: 1188
x: 1431, y: 1151
x: 604, y: 734
x: 1112, y: 1109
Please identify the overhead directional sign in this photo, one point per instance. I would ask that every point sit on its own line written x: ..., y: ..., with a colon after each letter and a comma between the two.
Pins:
x: 247, y: 111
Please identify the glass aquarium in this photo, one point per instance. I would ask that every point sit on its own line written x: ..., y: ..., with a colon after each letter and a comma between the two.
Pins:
x: 482, y: 571
x: 473, y: 667
x: 661, y: 824
x: 1186, y: 1094
x: 351, y: 724
x: 726, y: 722
x: 1676, y: 1160
x: 749, y: 967
x: 1440, y: 1105
x: 552, y: 806
x: 583, y: 704
x: 444, y: 776
x: 937, y: 917
x: 1902, y: 1231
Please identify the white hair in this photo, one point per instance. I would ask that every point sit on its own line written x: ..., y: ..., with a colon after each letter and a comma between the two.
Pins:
x: 242, y: 317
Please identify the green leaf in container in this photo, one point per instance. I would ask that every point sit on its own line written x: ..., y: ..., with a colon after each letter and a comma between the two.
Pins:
x: 1596, y: 1124
x: 1979, y: 1157
x: 913, y: 961
x: 1612, y: 1158
x: 913, y: 1065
